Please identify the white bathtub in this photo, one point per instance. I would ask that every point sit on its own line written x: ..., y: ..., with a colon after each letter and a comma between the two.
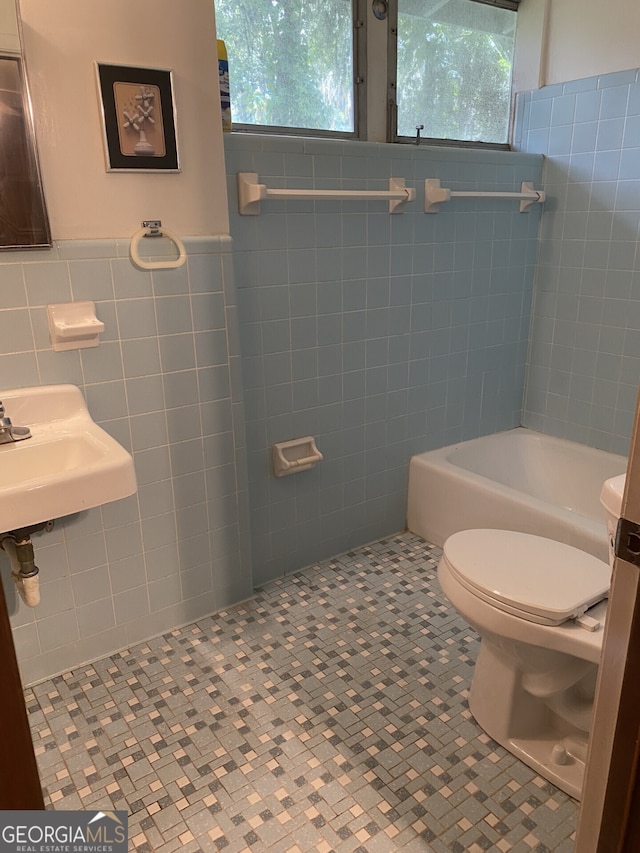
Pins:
x: 517, y: 480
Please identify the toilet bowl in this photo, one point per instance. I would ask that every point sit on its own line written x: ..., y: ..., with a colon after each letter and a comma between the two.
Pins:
x: 539, y: 607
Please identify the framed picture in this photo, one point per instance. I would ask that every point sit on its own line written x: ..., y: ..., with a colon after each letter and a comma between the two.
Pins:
x: 139, y: 121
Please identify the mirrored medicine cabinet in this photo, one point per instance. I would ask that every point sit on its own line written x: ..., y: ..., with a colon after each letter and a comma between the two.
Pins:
x: 24, y: 223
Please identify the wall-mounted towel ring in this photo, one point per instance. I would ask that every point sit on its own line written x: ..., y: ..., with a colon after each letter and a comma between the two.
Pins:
x: 153, y: 228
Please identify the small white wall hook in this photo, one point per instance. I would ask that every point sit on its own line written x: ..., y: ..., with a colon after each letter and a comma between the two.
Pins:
x: 153, y: 228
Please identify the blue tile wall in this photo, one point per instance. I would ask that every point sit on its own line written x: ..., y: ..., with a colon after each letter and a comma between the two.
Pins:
x: 165, y: 382
x: 381, y: 335
x: 584, y: 358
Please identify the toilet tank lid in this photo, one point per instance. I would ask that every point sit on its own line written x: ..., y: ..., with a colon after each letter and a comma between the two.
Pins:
x: 611, y: 494
x: 547, y: 579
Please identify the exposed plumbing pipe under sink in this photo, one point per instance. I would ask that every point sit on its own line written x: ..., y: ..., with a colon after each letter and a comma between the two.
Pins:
x: 24, y: 571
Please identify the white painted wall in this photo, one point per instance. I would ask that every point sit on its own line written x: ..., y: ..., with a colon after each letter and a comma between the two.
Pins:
x: 529, y: 60
x: 9, y: 38
x: 62, y: 42
x: 589, y: 37
x: 562, y: 40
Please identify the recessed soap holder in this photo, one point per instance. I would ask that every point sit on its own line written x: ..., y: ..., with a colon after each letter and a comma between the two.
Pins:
x: 297, y: 454
x: 74, y: 325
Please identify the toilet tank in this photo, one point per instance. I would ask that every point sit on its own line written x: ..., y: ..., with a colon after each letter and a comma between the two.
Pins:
x: 611, y: 500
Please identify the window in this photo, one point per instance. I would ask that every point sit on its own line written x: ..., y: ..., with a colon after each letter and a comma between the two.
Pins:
x: 453, y: 64
x: 291, y: 64
x: 294, y: 67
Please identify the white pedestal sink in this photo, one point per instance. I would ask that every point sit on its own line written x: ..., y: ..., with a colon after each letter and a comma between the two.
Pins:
x: 68, y: 465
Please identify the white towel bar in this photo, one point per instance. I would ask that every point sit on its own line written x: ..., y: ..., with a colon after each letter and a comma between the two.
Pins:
x: 434, y: 194
x: 153, y: 228
x: 251, y: 193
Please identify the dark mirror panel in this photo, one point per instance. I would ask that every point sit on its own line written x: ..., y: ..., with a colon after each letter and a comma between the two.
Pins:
x: 23, y: 217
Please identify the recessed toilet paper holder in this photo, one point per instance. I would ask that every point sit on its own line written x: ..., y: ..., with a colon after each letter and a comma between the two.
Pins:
x: 297, y: 454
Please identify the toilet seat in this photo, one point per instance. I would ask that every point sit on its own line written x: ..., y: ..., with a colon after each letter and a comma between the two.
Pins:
x: 536, y: 579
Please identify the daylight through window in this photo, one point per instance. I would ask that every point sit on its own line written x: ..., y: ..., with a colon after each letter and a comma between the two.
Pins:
x: 293, y: 67
x: 454, y: 63
x: 291, y: 62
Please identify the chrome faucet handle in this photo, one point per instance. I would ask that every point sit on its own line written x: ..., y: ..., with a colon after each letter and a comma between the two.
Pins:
x: 10, y: 433
x: 5, y: 431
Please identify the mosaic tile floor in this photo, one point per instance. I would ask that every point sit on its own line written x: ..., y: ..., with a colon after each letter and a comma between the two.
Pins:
x: 327, y: 714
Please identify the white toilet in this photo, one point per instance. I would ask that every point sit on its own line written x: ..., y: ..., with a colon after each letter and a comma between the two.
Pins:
x: 539, y: 607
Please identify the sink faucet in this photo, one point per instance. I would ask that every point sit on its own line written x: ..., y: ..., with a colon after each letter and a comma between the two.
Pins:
x: 10, y: 433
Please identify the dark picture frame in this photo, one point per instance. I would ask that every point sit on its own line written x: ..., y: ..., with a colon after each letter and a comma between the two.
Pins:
x: 24, y: 223
x: 138, y: 116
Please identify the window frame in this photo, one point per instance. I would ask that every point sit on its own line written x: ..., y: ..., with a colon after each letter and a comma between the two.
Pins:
x: 359, y: 91
x: 392, y: 88
x: 379, y: 124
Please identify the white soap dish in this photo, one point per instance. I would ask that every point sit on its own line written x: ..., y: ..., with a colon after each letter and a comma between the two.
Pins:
x: 74, y: 325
